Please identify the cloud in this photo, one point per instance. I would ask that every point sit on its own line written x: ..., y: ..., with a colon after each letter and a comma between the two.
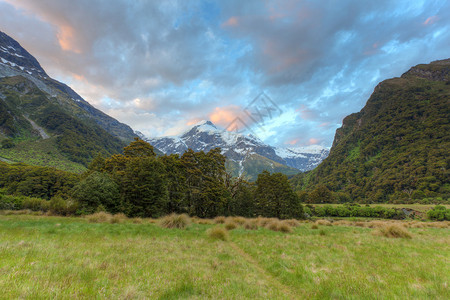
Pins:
x: 160, y: 65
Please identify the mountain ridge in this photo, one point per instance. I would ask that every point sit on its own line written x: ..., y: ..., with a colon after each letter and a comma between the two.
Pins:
x: 397, y: 146
x: 238, y: 148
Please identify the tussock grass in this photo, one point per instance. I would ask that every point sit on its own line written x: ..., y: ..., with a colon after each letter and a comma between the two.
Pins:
x: 219, y: 220
x: 393, y: 231
x: 99, y: 217
x: 342, y: 223
x: 314, y: 226
x: 251, y: 224
x: 204, y: 221
x: 292, y: 222
x: 277, y: 225
x: 263, y: 222
x: 230, y: 224
x: 70, y: 258
x: 284, y: 226
x: 323, y: 222
x: 218, y: 233
x: 175, y: 221
x: 239, y: 220
x: 118, y: 218
x: 137, y: 220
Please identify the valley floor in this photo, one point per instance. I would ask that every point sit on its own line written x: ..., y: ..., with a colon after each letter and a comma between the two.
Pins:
x: 59, y: 257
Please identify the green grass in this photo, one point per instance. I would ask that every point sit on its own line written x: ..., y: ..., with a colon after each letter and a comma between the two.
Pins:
x: 41, y: 153
x: 54, y: 257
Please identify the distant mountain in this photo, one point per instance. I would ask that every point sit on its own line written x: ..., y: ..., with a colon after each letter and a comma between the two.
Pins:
x: 247, y: 155
x: 46, y: 120
x: 397, y: 146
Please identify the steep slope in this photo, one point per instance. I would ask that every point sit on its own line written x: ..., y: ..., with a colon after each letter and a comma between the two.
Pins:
x: 397, y: 145
x: 247, y: 155
x: 44, y: 122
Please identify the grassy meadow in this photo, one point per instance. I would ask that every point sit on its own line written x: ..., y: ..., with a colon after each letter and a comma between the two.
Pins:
x: 62, y: 257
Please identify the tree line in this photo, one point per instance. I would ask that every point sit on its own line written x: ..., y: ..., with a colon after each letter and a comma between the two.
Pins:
x: 140, y: 183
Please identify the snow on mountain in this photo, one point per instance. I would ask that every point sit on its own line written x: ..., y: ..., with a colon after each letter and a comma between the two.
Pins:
x: 303, y: 158
x: 237, y: 147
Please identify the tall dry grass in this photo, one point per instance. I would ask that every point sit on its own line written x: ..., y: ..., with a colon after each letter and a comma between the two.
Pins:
x: 175, y: 221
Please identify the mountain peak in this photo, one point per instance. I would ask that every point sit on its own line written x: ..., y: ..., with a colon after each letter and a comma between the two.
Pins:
x: 13, y: 55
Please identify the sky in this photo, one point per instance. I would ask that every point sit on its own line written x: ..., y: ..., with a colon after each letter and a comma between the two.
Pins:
x: 285, y: 71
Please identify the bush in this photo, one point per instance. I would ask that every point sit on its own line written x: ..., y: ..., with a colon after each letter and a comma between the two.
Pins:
x: 36, y: 204
x: 8, y: 202
x: 218, y: 233
x: 439, y: 213
x: 393, y: 231
x: 175, y: 221
x: 63, y: 207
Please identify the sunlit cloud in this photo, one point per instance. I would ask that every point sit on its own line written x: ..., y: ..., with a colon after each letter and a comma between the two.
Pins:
x: 163, y: 67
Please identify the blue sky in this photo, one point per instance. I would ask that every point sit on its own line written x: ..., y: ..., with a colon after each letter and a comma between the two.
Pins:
x: 161, y: 66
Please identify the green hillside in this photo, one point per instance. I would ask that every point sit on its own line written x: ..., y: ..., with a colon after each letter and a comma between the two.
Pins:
x: 40, y: 129
x: 397, y: 146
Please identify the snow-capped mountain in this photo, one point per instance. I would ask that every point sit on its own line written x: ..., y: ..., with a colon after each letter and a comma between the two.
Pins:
x: 16, y: 61
x: 303, y: 158
x: 244, y: 151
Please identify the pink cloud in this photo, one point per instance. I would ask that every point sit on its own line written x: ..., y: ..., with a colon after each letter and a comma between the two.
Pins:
x: 431, y: 20
x: 231, y: 22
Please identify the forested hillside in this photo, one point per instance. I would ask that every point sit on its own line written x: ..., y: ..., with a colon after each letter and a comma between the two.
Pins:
x: 396, y: 147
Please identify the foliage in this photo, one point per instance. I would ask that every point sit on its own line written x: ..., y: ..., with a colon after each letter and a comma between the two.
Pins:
x: 274, y: 197
x: 396, y: 148
x: 40, y: 182
x: 94, y: 190
x: 439, y: 213
x: 356, y: 210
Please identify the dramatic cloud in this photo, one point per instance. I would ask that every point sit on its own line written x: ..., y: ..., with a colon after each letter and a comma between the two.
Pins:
x: 159, y: 66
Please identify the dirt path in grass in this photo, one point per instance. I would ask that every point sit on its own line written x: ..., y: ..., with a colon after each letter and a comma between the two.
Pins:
x: 267, y: 276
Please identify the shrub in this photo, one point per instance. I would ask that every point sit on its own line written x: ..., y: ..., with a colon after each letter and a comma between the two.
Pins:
x: 99, y: 217
x: 230, y: 225
x: 439, y: 213
x: 218, y: 233
x: 393, y: 231
x: 118, y: 218
x: 175, y: 221
x: 63, y: 207
x: 219, y: 220
x: 36, y: 204
x: 8, y: 202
